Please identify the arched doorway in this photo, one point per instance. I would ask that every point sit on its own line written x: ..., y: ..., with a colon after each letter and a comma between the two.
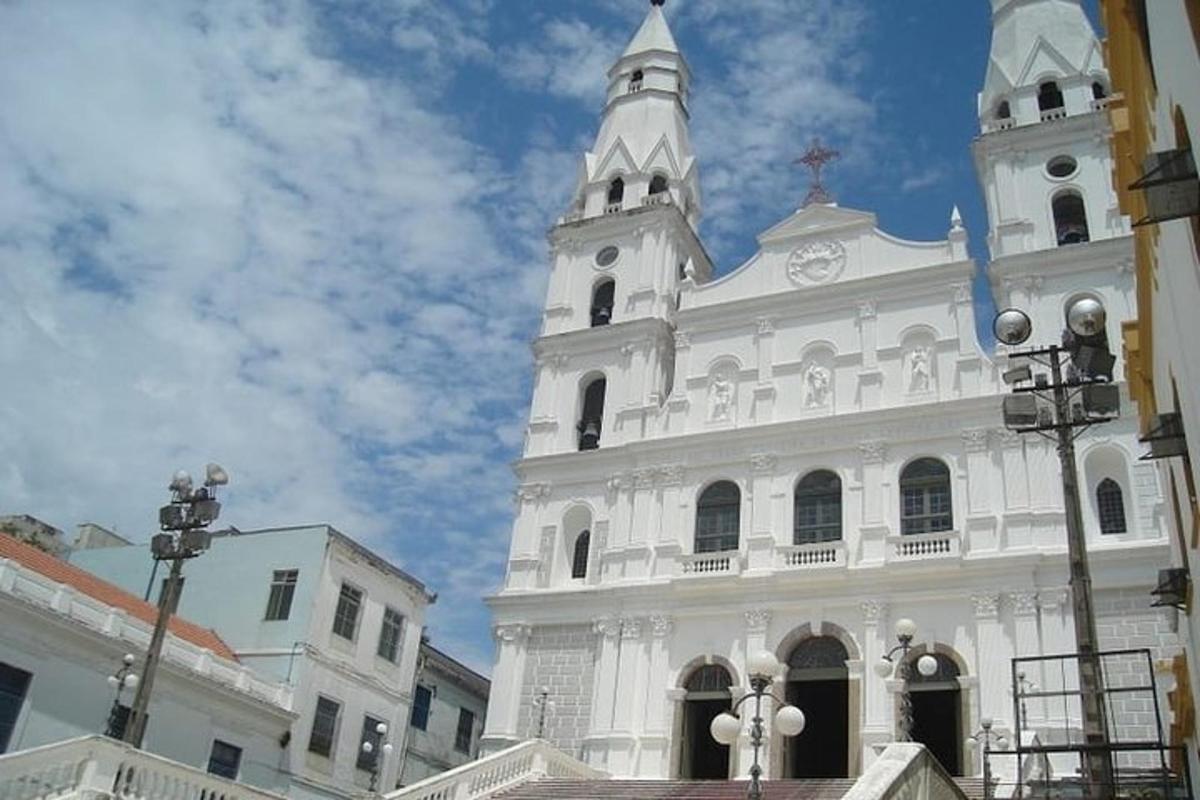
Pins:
x: 937, y: 711
x: 702, y: 757
x: 818, y: 684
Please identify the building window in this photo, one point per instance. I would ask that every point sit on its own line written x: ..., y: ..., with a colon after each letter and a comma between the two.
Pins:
x: 616, y: 192
x: 818, y: 507
x: 1004, y: 110
x: 636, y: 80
x: 579, y: 560
x: 1110, y: 504
x: 602, y: 302
x: 718, y: 518
x: 658, y: 185
x: 592, y: 418
x: 390, y: 634
x: 14, y: 683
x: 465, y: 731
x: 224, y: 760
x: 925, y: 497
x: 420, y: 712
x: 370, y: 733
x: 1050, y: 96
x: 1098, y: 91
x: 324, y: 727
x: 345, y: 619
x: 283, y: 588
x: 1070, y: 219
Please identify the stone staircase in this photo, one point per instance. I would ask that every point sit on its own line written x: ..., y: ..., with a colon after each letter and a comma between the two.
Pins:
x: 811, y: 789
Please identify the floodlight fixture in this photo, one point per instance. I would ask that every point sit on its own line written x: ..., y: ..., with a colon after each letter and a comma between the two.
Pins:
x: 1019, y: 374
x: 1086, y: 316
x: 1012, y: 327
x: 1020, y: 411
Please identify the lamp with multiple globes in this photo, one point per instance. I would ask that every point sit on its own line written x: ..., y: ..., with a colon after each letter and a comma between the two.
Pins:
x: 385, y: 750
x: 124, y: 678
x: 927, y: 665
x: 726, y: 727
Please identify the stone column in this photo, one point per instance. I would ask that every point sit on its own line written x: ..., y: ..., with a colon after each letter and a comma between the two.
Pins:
x: 994, y: 655
x: 605, y: 681
x: 1016, y: 477
x: 656, y: 695
x: 620, y: 503
x: 764, y: 390
x: 874, y: 530
x: 979, y: 525
x: 761, y: 545
x: 871, y: 377
x: 1025, y: 626
x: 504, y: 708
x: 878, y: 709
x: 683, y: 357
x: 964, y: 320
x: 628, y: 662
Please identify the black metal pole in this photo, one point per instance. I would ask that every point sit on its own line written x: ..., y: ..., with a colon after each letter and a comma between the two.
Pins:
x: 136, y: 729
x: 1098, y: 772
x: 906, y: 710
x: 759, y: 685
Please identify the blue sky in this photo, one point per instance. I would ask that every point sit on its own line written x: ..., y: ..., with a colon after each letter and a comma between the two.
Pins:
x: 305, y: 238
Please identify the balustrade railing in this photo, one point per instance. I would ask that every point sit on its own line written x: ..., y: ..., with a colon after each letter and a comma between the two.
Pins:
x: 812, y: 556
x: 613, y: 208
x: 99, y: 767
x: 522, y: 763
x: 727, y: 563
x: 925, y: 546
x: 1053, y: 114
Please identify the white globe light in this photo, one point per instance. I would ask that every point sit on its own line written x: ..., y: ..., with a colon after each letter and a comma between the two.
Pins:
x: 883, y: 668
x: 114, y: 681
x: 128, y: 659
x: 927, y: 665
x: 906, y: 628
x: 985, y: 723
x: 381, y: 729
x: 131, y: 680
x: 367, y: 747
x: 725, y: 728
x: 763, y: 663
x: 1086, y: 317
x: 790, y: 721
x: 387, y: 749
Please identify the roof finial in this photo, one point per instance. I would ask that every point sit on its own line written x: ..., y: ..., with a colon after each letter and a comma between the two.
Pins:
x: 658, y: 2
x: 815, y: 159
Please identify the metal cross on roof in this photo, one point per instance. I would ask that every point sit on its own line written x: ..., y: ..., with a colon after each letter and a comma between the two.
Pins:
x: 815, y: 158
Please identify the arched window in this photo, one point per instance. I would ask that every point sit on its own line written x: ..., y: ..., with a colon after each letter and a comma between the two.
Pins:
x: 579, y: 559
x: 616, y: 192
x: 602, y: 302
x: 1098, y: 91
x: 709, y: 678
x: 1070, y: 219
x: 1110, y: 505
x: 635, y: 80
x: 658, y: 185
x: 1050, y: 96
x: 706, y: 695
x: 818, y: 505
x: 592, y: 418
x: 925, y: 497
x: 1004, y: 110
x: 718, y: 518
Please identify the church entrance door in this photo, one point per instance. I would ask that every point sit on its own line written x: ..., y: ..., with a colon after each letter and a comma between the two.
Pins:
x: 818, y: 684
x: 937, y: 713
x: 702, y: 757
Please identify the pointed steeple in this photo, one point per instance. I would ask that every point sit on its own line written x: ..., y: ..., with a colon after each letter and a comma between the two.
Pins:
x: 654, y: 34
x: 1045, y: 64
x: 643, y: 153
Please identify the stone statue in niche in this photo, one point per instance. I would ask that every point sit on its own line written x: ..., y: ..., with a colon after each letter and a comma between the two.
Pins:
x: 816, y: 386
x: 720, y: 398
x: 922, y: 370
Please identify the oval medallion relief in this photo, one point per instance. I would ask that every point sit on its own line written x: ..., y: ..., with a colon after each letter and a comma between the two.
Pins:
x: 816, y: 263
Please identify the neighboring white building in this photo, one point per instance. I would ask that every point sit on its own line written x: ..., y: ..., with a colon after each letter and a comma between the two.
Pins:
x: 797, y: 454
x: 449, y: 707
x: 311, y: 607
x: 64, y: 632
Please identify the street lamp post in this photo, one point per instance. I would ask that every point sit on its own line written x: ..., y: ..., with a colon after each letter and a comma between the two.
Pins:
x: 763, y: 667
x: 182, y: 521
x: 385, y: 750
x: 986, y: 736
x: 906, y: 631
x: 124, y: 678
x: 545, y: 705
x: 1059, y: 406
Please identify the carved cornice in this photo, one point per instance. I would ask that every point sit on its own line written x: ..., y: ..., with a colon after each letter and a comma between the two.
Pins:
x: 607, y: 627
x: 671, y: 475
x: 757, y: 620
x: 631, y: 628
x: 645, y: 478
x: 516, y: 633
x: 976, y: 440
x: 873, y: 611
x: 661, y: 625
x: 987, y: 606
x: 1024, y: 604
x: 873, y: 452
x: 532, y: 492
x: 763, y: 462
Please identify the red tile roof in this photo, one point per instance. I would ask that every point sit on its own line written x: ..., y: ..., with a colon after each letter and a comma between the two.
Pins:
x: 86, y: 583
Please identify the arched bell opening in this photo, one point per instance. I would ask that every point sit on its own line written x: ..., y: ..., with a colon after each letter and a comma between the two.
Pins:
x: 818, y: 683
x: 706, y: 694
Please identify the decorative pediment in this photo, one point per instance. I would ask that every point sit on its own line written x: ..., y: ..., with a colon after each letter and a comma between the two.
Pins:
x: 618, y: 160
x: 662, y: 157
x: 816, y: 219
x: 1044, y: 60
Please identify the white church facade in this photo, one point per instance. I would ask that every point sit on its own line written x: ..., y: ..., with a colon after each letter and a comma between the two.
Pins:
x: 796, y: 454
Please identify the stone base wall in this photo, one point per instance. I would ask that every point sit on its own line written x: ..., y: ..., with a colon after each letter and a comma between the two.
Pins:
x: 561, y: 658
